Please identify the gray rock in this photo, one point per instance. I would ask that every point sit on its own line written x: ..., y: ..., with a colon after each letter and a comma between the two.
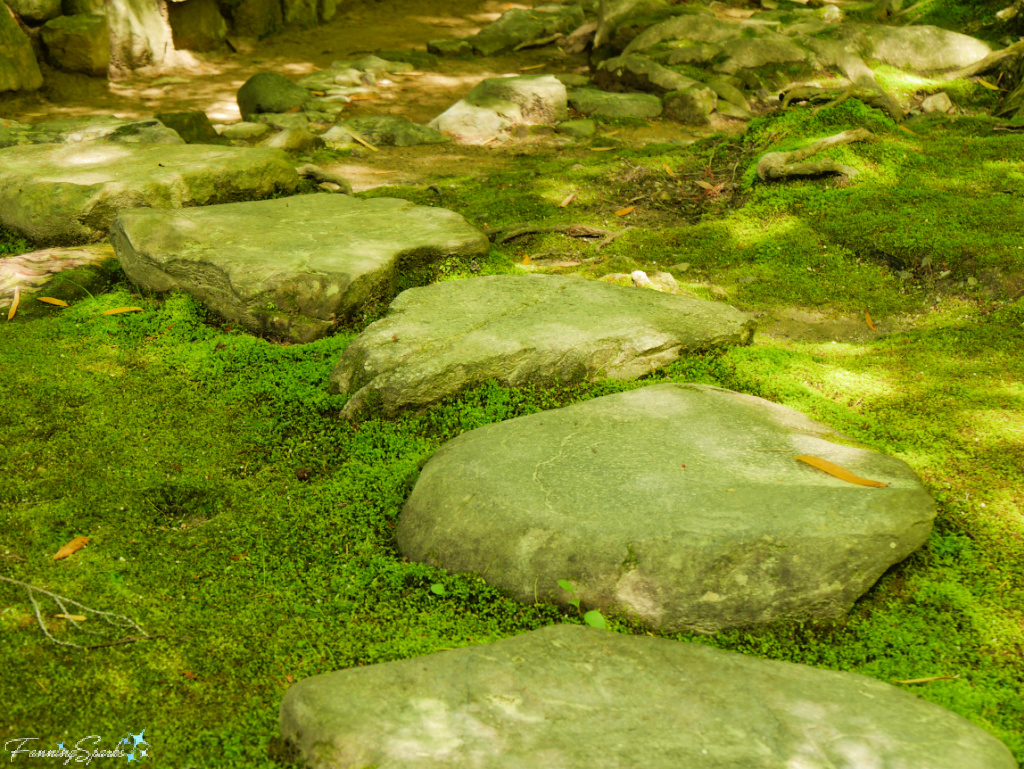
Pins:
x: 916, y: 48
x: 681, y: 505
x: 36, y: 10
x: 520, y: 28
x: 692, y: 106
x: 470, y: 123
x: 635, y: 72
x: 578, y: 129
x: 703, y: 53
x: 541, y: 99
x: 302, y: 13
x: 86, y: 129
x: 19, y: 70
x: 766, y: 49
x: 284, y: 120
x: 294, y: 140
x: 194, y: 127
x: 591, y: 101
x: 244, y: 131
x: 727, y: 89
x: 270, y: 92
x: 580, y: 698
x: 63, y: 194
x: 385, y: 130
x: 570, y: 80
x: 140, y: 36
x: 79, y: 43
x: 692, y: 29
x: 256, y: 18
x: 937, y: 102
x: 538, y: 329
x: 197, y: 25
x: 292, y: 267
x: 450, y: 47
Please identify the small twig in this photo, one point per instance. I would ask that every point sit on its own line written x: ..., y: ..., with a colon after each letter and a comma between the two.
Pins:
x: 115, y: 620
x: 612, y: 236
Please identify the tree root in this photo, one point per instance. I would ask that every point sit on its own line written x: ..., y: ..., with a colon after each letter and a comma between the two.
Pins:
x: 33, y: 270
x: 778, y: 165
x: 873, y: 97
x: 572, y: 230
x: 116, y: 620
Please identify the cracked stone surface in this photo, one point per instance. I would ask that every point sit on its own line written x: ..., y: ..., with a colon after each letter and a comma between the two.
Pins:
x: 681, y: 505
x: 539, y: 329
x: 579, y: 698
x: 292, y: 267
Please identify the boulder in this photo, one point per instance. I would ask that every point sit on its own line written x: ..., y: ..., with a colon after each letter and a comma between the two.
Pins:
x: 638, y: 73
x: 388, y: 131
x: 302, y: 13
x: 140, y: 36
x: 765, y: 49
x: 680, y: 505
x: 450, y: 47
x: 520, y: 28
x: 255, y: 18
x: 36, y: 11
x: 293, y: 267
x: 613, y: 13
x: 87, y: 129
x: 197, y: 25
x: 523, y: 330
x: 496, y: 104
x: 19, y: 70
x: 62, y: 194
x: 577, y: 698
x: 692, y: 106
x: 194, y: 127
x: 591, y: 101
x: 916, y: 48
x: 79, y: 43
x: 270, y: 92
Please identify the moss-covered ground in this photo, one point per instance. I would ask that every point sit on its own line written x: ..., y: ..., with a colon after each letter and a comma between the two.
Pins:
x: 249, y: 530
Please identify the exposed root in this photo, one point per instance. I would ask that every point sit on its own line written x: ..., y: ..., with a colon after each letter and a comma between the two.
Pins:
x: 778, y: 165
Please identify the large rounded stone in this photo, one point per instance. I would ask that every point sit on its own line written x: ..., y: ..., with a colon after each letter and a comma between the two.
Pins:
x: 79, y: 43
x: 270, y: 92
x: 578, y: 698
x: 19, y: 70
x: 680, y: 504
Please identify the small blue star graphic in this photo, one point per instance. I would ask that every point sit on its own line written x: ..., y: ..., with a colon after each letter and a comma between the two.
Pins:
x: 131, y: 757
x: 137, y: 738
x: 61, y: 746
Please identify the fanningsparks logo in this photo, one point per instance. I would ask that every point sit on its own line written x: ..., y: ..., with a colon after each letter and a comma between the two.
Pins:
x: 132, y: 748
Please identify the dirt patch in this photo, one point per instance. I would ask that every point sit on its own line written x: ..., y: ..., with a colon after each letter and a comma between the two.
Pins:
x: 811, y: 326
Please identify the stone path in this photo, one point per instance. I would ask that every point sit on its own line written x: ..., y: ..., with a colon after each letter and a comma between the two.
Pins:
x: 293, y: 267
x: 540, y: 329
x: 574, y: 698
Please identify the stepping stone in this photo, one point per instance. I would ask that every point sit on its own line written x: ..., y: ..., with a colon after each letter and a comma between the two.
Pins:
x: 682, y: 505
x: 64, y: 194
x: 540, y: 329
x: 575, y: 698
x: 292, y: 267
x: 591, y: 101
x: 87, y: 129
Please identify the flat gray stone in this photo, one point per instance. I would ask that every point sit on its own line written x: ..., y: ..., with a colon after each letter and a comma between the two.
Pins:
x: 292, y: 267
x: 682, y: 505
x: 62, y: 194
x: 591, y: 101
x: 573, y: 697
x: 519, y: 330
x: 390, y: 131
x: 87, y: 129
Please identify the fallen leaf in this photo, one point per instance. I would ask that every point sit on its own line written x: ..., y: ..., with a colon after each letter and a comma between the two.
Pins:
x: 926, y: 680
x: 319, y: 93
x: 871, y: 323
x: 51, y: 300
x: 625, y: 211
x: 14, y: 305
x: 669, y: 171
x: 612, y: 133
x: 534, y: 66
x: 364, y: 96
x: 567, y: 201
x: 840, y: 472
x: 907, y: 130
x: 293, y: 109
x: 71, y: 547
x: 189, y: 674
x: 986, y: 84
x: 119, y: 310
x: 704, y: 184
x: 602, y: 149
x: 526, y: 259
x: 73, y: 617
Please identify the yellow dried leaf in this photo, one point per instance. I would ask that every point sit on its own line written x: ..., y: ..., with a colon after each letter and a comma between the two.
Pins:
x: 988, y: 85
x: 704, y: 184
x: 526, y: 259
x: 51, y: 300
x: 364, y: 96
x: 71, y: 547
x: 75, y: 617
x: 668, y: 170
x: 567, y: 201
x: 14, y: 305
x: 119, y: 310
x: 929, y: 679
x: 907, y: 130
x: 533, y: 66
x: 625, y: 211
x: 612, y: 133
x: 602, y: 149
x: 840, y: 472
x: 363, y: 141
x: 871, y: 323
